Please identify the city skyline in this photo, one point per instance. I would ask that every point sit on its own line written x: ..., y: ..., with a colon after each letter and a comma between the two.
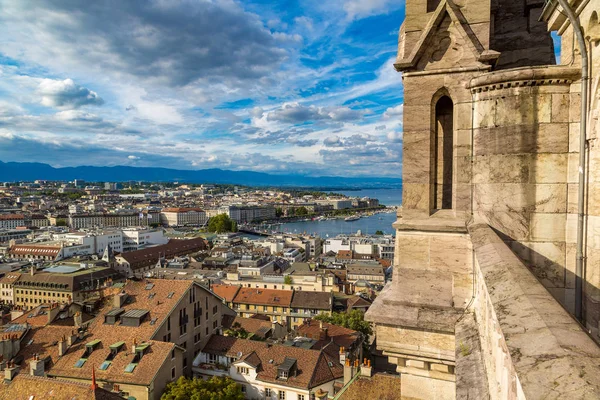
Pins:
x: 302, y: 87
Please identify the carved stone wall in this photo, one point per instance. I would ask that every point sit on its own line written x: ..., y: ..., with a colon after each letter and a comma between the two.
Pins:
x: 523, y: 168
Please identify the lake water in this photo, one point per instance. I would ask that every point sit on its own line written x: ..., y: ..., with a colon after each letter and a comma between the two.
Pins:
x: 388, y: 197
x: 331, y: 228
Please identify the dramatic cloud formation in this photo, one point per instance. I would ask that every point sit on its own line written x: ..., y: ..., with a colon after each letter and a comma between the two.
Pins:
x: 304, y: 87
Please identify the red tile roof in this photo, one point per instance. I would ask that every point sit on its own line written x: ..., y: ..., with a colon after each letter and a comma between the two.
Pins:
x: 182, y: 209
x: 226, y: 292
x: 270, y: 297
x: 313, y: 368
x: 26, y: 387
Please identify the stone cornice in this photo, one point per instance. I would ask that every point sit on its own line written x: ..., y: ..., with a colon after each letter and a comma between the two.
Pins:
x: 527, y: 76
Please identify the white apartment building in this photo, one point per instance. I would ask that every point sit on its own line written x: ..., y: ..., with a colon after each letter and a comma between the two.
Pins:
x: 379, y: 246
x: 97, y: 241
x: 136, y: 239
x: 183, y: 216
x: 293, y: 255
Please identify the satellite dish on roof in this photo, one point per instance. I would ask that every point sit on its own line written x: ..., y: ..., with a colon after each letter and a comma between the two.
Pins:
x: 240, y: 354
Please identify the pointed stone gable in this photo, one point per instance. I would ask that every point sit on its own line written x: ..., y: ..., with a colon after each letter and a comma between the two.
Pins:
x: 447, y: 42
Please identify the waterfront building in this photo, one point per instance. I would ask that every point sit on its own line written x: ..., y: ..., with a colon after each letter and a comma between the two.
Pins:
x: 183, y: 216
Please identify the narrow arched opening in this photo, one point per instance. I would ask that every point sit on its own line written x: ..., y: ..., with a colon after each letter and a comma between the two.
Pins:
x: 443, y: 153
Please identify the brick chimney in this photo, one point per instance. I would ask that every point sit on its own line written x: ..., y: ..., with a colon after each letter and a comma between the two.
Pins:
x: 71, y: 338
x: 349, y: 371
x: 53, y: 312
x: 62, y: 347
x: 78, y: 319
x: 36, y: 366
x: 10, y: 372
x: 365, y: 369
x: 342, y: 355
x: 134, y: 345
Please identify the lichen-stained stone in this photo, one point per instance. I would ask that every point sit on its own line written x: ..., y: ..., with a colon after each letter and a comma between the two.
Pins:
x: 513, y: 168
x: 548, y: 198
x: 462, y: 169
x: 544, y: 138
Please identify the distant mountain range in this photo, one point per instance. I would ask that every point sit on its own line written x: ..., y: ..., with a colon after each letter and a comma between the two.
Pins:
x: 15, y: 171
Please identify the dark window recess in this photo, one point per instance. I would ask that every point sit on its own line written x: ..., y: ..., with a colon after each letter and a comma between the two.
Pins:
x: 183, y: 321
x: 134, y: 317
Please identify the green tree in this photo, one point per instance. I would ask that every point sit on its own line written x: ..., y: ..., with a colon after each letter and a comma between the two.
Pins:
x: 288, y: 280
x: 221, y: 223
x: 216, y: 388
x: 278, y: 212
x: 379, y: 233
x: 301, y: 211
x: 237, y: 331
x: 61, y: 222
x: 354, y: 320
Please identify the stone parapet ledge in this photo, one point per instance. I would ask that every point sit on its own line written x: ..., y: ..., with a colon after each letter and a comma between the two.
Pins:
x: 532, y: 348
x: 471, y: 380
x: 417, y: 299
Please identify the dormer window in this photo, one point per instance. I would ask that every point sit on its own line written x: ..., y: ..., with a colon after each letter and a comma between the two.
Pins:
x: 287, y: 368
x: 134, y: 317
x: 112, y: 316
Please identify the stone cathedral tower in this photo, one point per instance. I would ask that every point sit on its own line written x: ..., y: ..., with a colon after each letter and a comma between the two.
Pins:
x: 484, y: 249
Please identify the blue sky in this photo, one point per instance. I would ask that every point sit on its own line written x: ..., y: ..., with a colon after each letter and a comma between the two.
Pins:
x: 275, y: 86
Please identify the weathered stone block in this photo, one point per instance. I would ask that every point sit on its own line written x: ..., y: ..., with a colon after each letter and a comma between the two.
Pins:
x: 509, y: 168
x: 416, y: 364
x: 548, y: 198
x: 415, y: 196
x: 413, y: 251
x: 549, y: 168
x: 548, y: 227
x: 560, y: 107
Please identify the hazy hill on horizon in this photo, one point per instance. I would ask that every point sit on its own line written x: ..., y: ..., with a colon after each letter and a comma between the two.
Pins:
x: 25, y: 171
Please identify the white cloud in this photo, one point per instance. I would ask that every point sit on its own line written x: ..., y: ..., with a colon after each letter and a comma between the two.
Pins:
x: 356, y: 9
x: 391, y: 112
x: 66, y: 94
